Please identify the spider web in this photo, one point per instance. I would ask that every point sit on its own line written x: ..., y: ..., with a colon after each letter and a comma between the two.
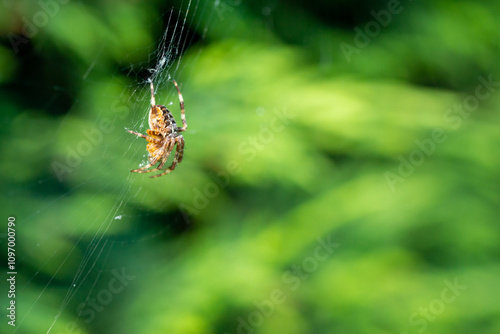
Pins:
x: 186, y: 25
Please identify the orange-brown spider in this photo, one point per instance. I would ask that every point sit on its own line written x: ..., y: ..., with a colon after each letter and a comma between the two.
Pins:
x: 163, y: 135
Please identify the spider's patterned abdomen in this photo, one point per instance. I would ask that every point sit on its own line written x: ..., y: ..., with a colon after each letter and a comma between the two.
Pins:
x: 160, y: 119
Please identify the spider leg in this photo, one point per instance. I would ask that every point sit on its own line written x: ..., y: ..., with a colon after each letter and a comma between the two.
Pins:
x: 181, y: 102
x: 167, y: 148
x: 152, y: 162
x: 178, y: 156
x: 180, y: 142
x: 170, y: 146
x: 138, y: 134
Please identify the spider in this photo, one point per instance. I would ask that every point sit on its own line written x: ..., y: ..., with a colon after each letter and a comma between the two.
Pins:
x: 163, y: 135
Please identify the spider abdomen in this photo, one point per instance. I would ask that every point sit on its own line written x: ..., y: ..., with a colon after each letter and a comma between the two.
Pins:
x: 161, y: 118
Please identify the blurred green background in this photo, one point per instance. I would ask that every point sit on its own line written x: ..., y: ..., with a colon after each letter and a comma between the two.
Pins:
x: 341, y: 171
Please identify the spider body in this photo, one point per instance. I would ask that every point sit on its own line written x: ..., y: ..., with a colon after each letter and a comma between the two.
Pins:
x: 163, y: 136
